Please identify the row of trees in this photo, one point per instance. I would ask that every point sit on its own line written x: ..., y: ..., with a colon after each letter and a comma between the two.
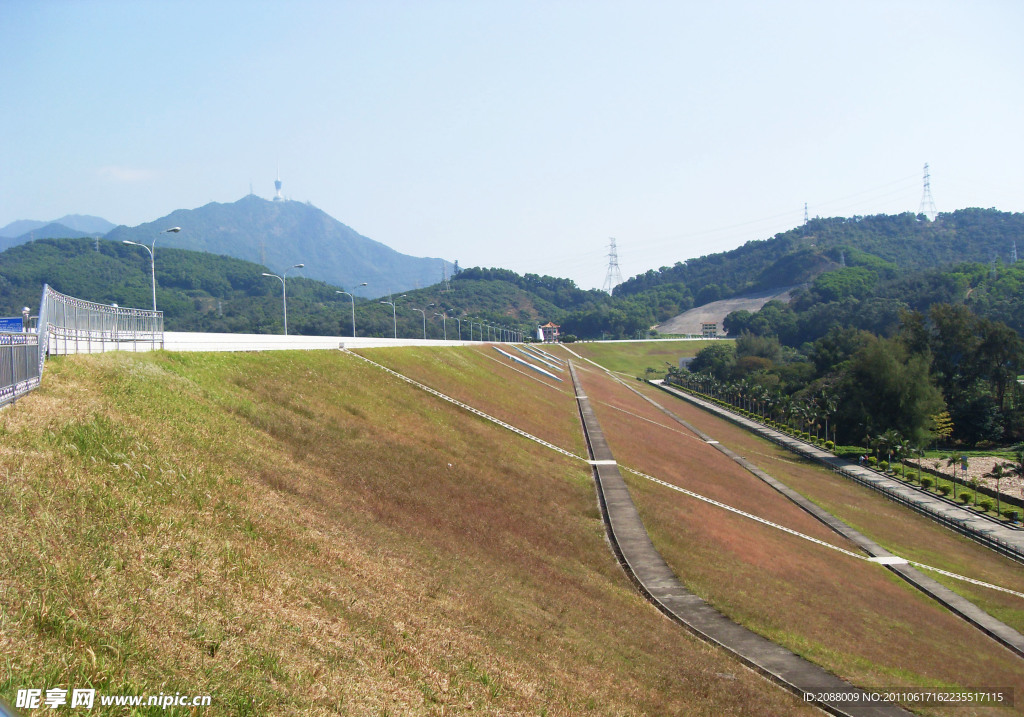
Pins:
x: 949, y: 362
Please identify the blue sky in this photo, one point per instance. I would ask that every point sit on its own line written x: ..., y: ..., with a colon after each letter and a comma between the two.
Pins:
x: 515, y: 134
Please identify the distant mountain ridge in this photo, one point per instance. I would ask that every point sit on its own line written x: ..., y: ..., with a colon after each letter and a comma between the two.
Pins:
x: 83, y: 224
x: 284, y: 233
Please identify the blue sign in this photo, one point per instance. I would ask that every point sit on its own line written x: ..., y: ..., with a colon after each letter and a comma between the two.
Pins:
x: 13, y: 324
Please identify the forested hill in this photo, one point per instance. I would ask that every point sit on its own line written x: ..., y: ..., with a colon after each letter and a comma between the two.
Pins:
x: 198, y: 291
x: 801, y: 254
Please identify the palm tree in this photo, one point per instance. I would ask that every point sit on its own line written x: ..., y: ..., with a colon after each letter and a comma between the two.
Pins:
x: 814, y: 416
x: 829, y: 403
x: 953, y: 460
x: 785, y: 408
x: 876, y: 443
x: 902, y: 449
x: 1017, y: 467
x: 1000, y: 471
x: 891, y: 439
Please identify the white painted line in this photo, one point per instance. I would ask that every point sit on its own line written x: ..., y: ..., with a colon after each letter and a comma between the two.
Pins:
x: 603, y: 463
x: 889, y: 560
x: 711, y: 443
x: 690, y: 493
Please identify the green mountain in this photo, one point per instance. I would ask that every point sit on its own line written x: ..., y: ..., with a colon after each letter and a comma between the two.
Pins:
x: 801, y: 254
x: 83, y: 223
x: 204, y: 292
x: 283, y: 233
x: 54, y: 230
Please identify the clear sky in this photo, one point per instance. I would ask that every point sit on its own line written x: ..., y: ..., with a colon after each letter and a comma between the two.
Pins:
x: 517, y: 134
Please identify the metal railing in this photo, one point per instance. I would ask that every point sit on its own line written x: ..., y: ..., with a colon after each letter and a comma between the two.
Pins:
x: 20, y: 368
x: 68, y: 325
x: 72, y: 325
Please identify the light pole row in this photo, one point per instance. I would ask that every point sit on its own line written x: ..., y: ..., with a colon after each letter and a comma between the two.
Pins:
x: 500, y: 333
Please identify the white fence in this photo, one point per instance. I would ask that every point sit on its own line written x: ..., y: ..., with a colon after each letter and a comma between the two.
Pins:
x: 20, y: 367
x: 69, y: 325
x: 72, y: 326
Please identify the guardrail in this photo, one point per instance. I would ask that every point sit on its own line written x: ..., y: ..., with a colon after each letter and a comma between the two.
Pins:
x: 72, y: 325
x: 69, y: 325
x: 20, y: 368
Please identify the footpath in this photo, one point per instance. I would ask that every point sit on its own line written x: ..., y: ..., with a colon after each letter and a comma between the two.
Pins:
x: 987, y: 531
x: 647, y: 569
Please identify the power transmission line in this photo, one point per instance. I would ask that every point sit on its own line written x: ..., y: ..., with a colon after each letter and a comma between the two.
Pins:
x: 614, y: 276
x: 927, y: 203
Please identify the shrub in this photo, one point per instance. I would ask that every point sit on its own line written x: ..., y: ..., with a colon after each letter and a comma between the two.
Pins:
x: 943, y: 489
x: 912, y: 476
x: 883, y: 466
x: 829, y: 445
x: 872, y: 461
x: 965, y: 497
x: 1011, y: 515
x: 926, y: 482
x: 985, y: 504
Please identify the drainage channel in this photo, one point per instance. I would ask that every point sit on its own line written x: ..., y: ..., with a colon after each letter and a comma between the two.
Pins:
x: 656, y: 581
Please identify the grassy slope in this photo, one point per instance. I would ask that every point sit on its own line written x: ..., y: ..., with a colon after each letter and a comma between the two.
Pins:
x: 634, y: 358
x: 854, y: 618
x: 901, y: 531
x: 303, y: 534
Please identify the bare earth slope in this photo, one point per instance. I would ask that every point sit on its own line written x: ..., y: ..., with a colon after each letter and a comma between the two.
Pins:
x: 689, y: 322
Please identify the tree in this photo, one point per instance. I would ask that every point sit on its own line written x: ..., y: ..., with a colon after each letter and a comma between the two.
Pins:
x: 884, y: 387
x: 941, y: 426
x: 954, y: 460
x: 999, y: 471
x: 829, y: 403
x: 718, y: 360
x: 902, y: 449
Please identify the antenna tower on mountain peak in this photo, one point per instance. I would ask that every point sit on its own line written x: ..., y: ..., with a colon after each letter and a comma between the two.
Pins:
x: 806, y: 218
x: 927, y: 203
x: 614, y: 276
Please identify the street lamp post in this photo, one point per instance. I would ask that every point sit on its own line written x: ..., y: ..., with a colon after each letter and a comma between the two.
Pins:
x: 424, y: 320
x: 152, y: 257
x: 444, y: 324
x: 284, y: 290
x: 353, y: 308
x: 394, y: 315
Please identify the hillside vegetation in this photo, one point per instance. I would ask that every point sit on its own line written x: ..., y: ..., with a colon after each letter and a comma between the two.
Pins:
x: 799, y: 255
x: 206, y: 292
x: 860, y: 272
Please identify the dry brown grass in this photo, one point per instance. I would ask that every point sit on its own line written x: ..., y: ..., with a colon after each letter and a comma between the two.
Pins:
x: 303, y: 534
x: 855, y: 618
x: 901, y: 531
